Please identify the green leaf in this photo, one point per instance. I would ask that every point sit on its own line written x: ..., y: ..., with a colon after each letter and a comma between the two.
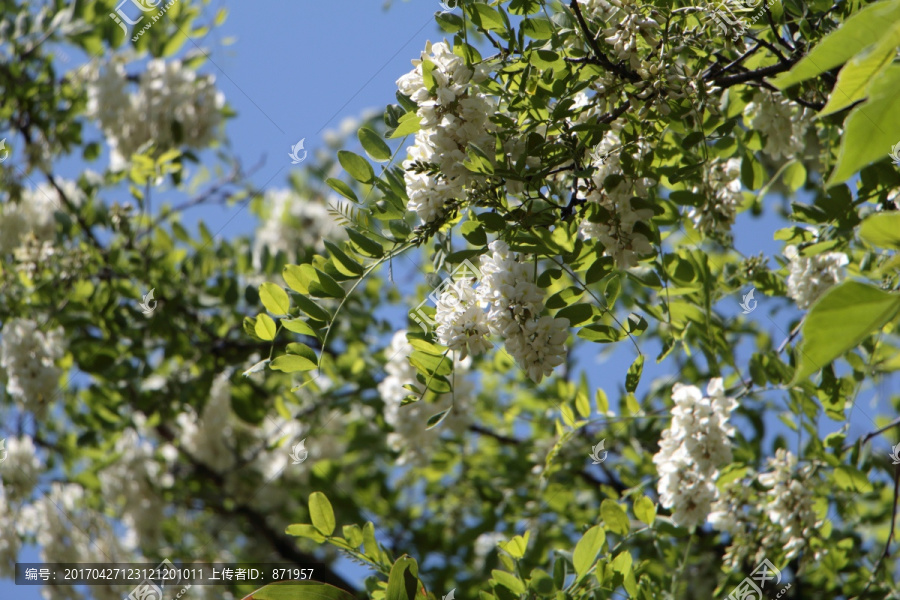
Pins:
x: 321, y: 513
x: 292, y: 363
x: 857, y: 33
x: 366, y: 246
x: 312, y: 309
x: 322, y: 285
x: 881, y: 230
x: 300, y: 590
x: 587, y: 548
x: 623, y: 564
x: 614, y: 517
x: 854, y: 79
x: 846, y: 315
x: 645, y: 510
x: 633, y: 377
x: 602, y: 334
x: 305, y: 530
x: 517, y: 546
x: 871, y: 129
x: 374, y: 145
x: 538, y: 29
x: 490, y: 18
x: 294, y: 276
x: 342, y: 261
x: 265, y: 327
x: 509, y: 581
x: 357, y: 166
x: 274, y: 298
x: 342, y: 188
x: 403, y: 582
x: 409, y: 123
x: 851, y: 479
x: 299, y: 326
x: 303, y: 351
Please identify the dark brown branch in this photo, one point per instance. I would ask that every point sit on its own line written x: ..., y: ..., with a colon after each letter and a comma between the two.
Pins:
x: 602, y: 59
x: 758, y: 74
x: 284, y: 545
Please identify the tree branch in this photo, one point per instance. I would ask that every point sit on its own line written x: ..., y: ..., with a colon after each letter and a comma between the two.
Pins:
x: 602, y: 59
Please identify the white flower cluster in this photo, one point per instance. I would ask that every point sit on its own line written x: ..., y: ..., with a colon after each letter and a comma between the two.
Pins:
x: 32, y: 218
x: 624, y: 24
x: 616, y: 231
x: 410, y: 436
x: 292, y: 226
x: 452, y: 115
x: 170, y: 98
x: 241, y: 453
x: 514, y: 304
x: 67, y: 530
x: 462, y: 324
x: 18, y: 478
x: 133, y: 483
x: 810, y: 277
x: 789, y: 504
x: 207, y: 438
x: 28, y: 356
x: 20, y: 470
x: 782, y: 123
x: 724, y: 197
x: 692, y: 449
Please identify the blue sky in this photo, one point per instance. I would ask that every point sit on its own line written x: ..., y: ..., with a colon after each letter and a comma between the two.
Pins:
x: 298, y: 69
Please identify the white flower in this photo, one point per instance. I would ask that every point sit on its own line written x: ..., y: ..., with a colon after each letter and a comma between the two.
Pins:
x: 409, y: 422
x: 515, y: 304
x: 781, y: 122
x: 132, y: 483
x: 790, y: 503
x: 29, y: 357
x: 207, y: 439
x: 723, y: 199
x: 485, y: 544
x: 692, y: 449
x: 811, y: 277
x: 452, y: 116
x: 33, y: 214
x: 172, y: 107
x: 616, y: 231
x: 461, y: 321
x: 20, y: 470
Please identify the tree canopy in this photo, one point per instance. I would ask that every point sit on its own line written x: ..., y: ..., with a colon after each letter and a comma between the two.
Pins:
x: 574, y: 177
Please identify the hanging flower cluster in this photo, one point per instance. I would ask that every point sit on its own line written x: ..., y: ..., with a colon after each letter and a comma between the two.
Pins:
x: 453, y: 113
x: 692, y: 449
x: 514, y: 304
x: 810, y: 277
